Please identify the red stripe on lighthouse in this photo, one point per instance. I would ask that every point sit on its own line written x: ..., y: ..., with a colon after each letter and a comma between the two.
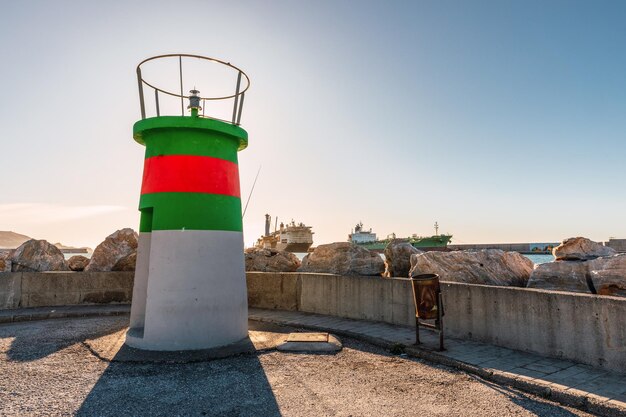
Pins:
x: 190, y: 174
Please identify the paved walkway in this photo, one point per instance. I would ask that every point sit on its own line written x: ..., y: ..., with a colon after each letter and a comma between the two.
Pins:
x: 562, y: 380
x: 567, y: 382
x: 47, y: 370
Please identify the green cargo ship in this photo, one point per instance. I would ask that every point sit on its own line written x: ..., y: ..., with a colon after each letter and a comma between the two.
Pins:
x: 368, y: 240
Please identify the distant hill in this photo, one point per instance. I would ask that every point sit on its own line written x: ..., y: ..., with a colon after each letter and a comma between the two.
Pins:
x: 11, y: 240
x: 72, y: 249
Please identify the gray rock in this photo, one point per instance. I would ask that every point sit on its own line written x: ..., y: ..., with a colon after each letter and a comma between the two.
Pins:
x: 398, y: 258
x: 127, y: 263
x: 5, y: 260
x: 487, y: 266
x: 343, y: 258
x: 37, y: 256
x: 561, y: 276
x: 608, y: 274
x: 116, y: 246
x: 581, y: 248
x: 78, y: 263
x: 271, y: 260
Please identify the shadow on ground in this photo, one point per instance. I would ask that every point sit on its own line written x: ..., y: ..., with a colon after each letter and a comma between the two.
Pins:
x: 216, y: 388
x: 45, y: 337
x: 212, y: 387
x: 524, y: 400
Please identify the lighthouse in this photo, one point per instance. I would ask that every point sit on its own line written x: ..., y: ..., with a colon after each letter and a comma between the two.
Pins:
x: 190, y: 287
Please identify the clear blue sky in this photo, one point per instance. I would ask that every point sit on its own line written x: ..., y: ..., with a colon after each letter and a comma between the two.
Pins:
x: 505, y: 121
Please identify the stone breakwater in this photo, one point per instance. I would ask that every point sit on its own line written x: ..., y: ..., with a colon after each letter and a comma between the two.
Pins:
x: 118, y: 252
x: 581, y: 265
x: 584, y: 266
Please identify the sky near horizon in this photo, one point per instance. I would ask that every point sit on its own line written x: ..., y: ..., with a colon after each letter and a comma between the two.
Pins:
x: 504, y: 121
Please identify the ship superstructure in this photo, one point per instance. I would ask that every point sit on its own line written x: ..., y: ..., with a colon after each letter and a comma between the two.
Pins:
x: 293, y: 237
x: 360, y: 236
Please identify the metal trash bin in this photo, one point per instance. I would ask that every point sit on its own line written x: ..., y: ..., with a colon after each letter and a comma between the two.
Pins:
x: 428, y: 304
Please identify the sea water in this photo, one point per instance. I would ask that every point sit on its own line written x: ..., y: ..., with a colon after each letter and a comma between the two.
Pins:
x: 540, y: 258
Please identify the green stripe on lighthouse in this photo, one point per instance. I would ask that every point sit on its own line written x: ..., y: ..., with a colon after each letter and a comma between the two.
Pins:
x: 174, y: 135
x: 191, y: 211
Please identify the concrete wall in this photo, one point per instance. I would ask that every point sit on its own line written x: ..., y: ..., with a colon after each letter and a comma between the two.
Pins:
x: 274, y: 291
x: 365, y: 298
x: 617, y: 244
x: 511, y: 247
x: 581, y: 327
x: 38, y: 289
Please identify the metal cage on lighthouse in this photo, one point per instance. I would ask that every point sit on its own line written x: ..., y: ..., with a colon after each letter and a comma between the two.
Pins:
x: 190, y: 289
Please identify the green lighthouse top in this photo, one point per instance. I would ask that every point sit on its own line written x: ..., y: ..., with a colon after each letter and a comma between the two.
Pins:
x: 164, y: 98
x: 221, y: 128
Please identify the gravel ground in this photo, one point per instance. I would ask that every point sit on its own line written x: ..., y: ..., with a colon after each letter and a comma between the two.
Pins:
x: 45, y: 370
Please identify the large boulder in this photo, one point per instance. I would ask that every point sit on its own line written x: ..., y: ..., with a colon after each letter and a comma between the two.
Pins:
x: 608, y: 274
x: 5, y: 261
x: 116, y: 246
x: 487, y: 266
x: 561, y: 276
x: 581, y: 249
x: 343, y: 258
x: 77, y: 262
x: 271, y: 260
x: 37, y: 256
x: 127, y: 263
x: 398, y: 258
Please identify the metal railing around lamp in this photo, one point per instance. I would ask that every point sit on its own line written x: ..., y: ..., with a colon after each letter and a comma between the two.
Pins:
x: 237, y: 96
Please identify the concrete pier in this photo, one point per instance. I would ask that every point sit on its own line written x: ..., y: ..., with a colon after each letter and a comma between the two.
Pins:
x: 524, y: 248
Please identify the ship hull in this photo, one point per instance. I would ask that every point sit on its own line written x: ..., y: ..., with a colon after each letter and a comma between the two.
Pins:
x: 427, y: 244
x: 377, y: 246
x: 294, y: 247
x: 440, y: 241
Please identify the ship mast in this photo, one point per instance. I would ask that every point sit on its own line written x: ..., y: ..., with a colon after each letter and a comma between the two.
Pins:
x: 268, y: 220
x: 436, y: 229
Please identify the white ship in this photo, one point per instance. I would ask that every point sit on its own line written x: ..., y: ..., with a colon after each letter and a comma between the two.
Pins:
x: 291, y: 238
x: 360, y: 235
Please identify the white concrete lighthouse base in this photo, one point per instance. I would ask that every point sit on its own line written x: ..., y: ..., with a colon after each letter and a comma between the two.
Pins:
x: 190, y: 291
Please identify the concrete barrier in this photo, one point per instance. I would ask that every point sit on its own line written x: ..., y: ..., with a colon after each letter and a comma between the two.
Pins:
x: 273, y: 290
x: 10, y: 290
x: 584, y: 328
x: 581, y: 327
x: 42, y: 289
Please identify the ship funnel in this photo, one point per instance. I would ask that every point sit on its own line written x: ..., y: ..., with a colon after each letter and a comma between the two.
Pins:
x: 268, y: 220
